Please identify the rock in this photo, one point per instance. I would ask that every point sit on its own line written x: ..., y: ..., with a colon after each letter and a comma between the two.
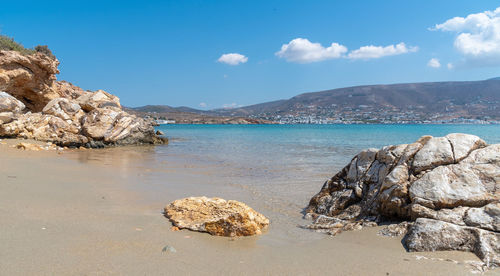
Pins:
x: 67, y: 90
x: 29, y: 78
x: 10, y: 104
x: 118, y: 127
x: 168, y: 248
x: 44, y: 127
x: 468, y: 183
x: 452, y: 180
x: 60, y: 112
x: 216, y: 216
x: 463, y: 144
x: 65, y: 109
x: 434, y: 235
x: 27, y: 146
x: 159, y: 133
x: 437, y: 151
x: 395, y: 230
x: 6, y: 117
x: 99, y: 99
x: 487, y: 217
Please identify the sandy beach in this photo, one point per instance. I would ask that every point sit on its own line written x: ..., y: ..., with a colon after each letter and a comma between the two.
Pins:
x: 99, y: 212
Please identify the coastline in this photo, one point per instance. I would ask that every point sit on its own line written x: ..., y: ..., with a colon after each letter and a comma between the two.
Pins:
x: 98, y: 212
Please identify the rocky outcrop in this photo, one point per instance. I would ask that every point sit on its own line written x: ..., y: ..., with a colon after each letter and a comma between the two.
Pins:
x: 9, y: 107
x: 445, y: 189
x: 29, y: 78
x: 216, y: 216
x: 36, y: 106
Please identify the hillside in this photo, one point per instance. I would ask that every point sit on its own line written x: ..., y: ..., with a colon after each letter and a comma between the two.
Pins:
x: 432, y: 101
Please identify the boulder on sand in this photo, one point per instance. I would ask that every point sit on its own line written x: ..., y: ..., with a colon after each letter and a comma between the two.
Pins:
x: 446, y: 190
x: 216, y: 216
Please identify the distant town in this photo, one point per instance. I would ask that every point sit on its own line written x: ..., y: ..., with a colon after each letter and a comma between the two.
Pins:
x: 364, y: 114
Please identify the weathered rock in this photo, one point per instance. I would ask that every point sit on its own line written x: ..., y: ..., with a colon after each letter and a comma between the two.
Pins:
x: 99, y: 99
x: 67, y: 90
x: 65, y: 109
x: 44, y: 127
x: 452, y: 180
x: 61, y: 112
x: 6, y: 117
x: 29, y: 78
x: 435, y: 152
x: 28, y: 146
x: 216, y: 216
x: 471, y: 182
x: 395, y: 229
x: 10, y: 104
x: 118, y: 127
x: 435, y: 235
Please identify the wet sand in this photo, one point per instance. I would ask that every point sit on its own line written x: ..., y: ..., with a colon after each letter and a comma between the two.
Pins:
x: 99, y: 212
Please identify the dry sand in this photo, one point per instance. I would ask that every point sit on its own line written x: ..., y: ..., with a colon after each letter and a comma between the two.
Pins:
x: 98, y: 212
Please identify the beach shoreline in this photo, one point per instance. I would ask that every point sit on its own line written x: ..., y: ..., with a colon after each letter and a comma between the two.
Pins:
x: 98, y: 212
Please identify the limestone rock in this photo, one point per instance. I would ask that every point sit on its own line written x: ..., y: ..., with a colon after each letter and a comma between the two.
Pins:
x: 60, y: 112
x: 65, y: 109
x: 10, y: 104
x: 29, y: 78
x: 437, y: 151
x: 434, y: 235
x: 453, y: 180
x: 44, y: 127
x: 6, y: 117
x: 67, y: 90
x: 216, y: 216
x: 118, y: 127
x: 463, y: 144
x: 99, y: 99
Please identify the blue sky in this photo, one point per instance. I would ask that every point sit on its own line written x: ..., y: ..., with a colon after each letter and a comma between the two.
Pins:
x: 171, y: 52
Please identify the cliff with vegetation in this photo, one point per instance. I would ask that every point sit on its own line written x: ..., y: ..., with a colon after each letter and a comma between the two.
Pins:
x: 35, y: 105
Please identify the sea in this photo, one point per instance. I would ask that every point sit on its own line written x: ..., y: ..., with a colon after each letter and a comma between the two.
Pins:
x: 277, y: 168
x: 272, y: 150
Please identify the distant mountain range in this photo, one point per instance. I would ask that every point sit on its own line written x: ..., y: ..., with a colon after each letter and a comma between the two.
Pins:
x: 408, y: 102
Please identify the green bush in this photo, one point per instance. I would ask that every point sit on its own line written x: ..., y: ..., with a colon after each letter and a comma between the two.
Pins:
x: 9, y: 44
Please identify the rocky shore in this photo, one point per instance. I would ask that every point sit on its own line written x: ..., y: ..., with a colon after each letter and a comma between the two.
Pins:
x: 444, y: 191
x: 34, y: 105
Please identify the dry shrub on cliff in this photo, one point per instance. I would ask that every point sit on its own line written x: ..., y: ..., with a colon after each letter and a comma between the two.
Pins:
x: 44, y: 49
x: 9, y: 44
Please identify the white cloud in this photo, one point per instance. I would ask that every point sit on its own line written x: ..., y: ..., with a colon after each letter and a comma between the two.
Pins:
x: 302, y: 50
x: 232, y: 59
x: 434, y: 63
x: 203, y: 105
x: 231, y: 105
x: 370, y: 52
x: 478, y: 36
x: 450, y: 66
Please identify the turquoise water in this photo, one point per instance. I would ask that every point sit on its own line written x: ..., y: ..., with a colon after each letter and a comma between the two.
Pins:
x: 267, y: 149
x: 276, y: 168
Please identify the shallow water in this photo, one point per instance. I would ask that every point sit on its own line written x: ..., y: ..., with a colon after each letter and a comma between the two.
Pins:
x: 275, y: 169
x: 278, y: 168
x: 275, y: 150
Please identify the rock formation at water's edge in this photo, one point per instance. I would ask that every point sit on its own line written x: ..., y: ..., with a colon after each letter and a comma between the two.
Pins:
x: 34, y: 105
x: 445, y: 191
